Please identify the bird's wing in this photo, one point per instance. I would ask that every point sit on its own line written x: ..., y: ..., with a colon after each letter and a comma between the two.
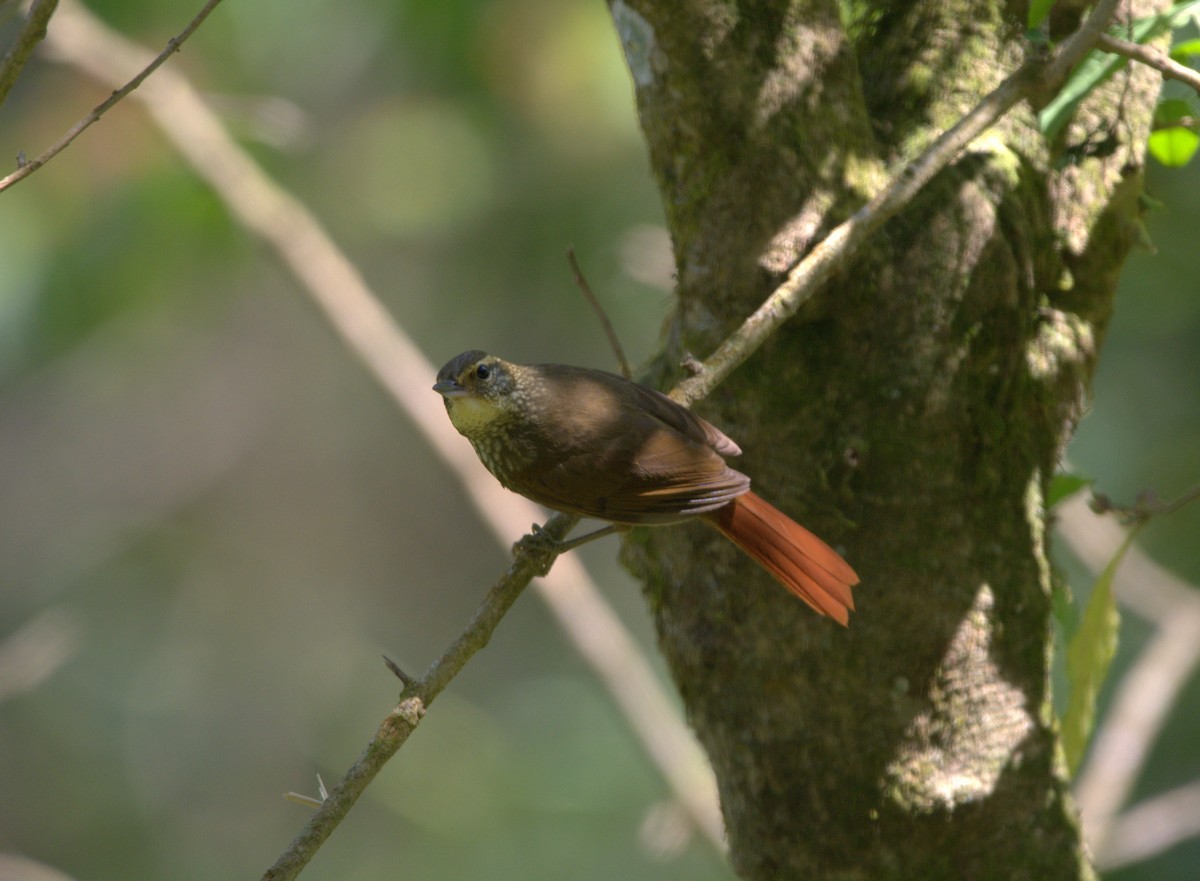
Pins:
x: 648, y: 473
x: 626, y: 397
x: 684, y: 421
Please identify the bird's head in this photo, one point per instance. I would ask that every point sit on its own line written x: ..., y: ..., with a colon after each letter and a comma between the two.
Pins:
x: 478, y: 389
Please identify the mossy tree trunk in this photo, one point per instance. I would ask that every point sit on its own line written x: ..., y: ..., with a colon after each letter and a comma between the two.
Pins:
x: 912, y: 415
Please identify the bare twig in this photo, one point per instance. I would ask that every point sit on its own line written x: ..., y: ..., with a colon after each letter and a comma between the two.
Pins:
x: 287, y: 226
x: 807, y: 276
x: 403, y: 720
x: 103, y: 107
x: 1151, y: 57
x: 586, y: 289
x: 1145, y: 696
x: 1185, y: 498
x: 32, y: 33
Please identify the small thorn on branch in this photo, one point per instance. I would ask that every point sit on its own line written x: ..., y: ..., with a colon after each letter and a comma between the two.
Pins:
x: 407, y: 680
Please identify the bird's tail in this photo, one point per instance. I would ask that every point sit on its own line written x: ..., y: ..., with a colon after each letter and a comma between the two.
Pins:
x: 800, y: 561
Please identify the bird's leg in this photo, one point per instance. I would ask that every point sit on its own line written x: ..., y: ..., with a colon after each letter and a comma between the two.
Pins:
x: 541, y: 544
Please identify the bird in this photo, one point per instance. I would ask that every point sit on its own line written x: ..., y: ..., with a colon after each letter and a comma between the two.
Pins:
x: 589, y: 442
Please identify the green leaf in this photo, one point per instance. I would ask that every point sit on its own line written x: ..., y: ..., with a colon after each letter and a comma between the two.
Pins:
x: 1063, y: 486
x: 1174, y: 147
x: 1038, y: 10
x: 1171, y: 144
x: 1098, y: 66
x: 1091, y: 72
x: 1089, y: 655
x: 1184, y: 50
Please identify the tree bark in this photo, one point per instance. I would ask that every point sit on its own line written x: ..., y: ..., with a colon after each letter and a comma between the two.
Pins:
x: 911, y: 415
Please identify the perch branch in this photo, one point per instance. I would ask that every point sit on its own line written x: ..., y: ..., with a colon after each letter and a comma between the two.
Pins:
x: 403, y: 720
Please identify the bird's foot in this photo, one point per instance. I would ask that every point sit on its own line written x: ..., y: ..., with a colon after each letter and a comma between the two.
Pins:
x: 544, y: 548
x: 541, y: 547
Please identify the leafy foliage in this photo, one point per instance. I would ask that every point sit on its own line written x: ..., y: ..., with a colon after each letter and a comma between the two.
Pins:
x: 1089, y: 656
x: 1038, y: 10
x: 1174, y: 142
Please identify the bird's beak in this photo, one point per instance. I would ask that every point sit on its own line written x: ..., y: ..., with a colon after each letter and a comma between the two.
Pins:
x: 448, y: 388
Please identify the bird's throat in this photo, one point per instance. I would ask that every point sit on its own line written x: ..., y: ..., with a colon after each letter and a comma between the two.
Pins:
x: 489, y: 429
x: 473, y: 416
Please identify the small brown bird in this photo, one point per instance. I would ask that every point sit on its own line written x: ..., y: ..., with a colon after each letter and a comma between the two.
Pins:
x: 592, y: 443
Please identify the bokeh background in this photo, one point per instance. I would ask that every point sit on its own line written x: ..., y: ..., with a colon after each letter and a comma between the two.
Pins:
x: 213, y: 522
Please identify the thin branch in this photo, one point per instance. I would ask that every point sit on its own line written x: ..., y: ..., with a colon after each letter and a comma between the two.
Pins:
x: 403, y: 720
x: 103, y: 107
x: 1151, y: 57
x: 844, y: 241
x: 1145, y: 507
x: 32, y: 33
x: 586, y: 289
x: 393, y: 359
x: 1184, y: 498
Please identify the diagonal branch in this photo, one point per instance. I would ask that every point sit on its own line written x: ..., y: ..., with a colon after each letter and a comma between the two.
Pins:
x: 1151, y: 57
x: 32, y: 33
x: 844, y: 241
x: 104, y: 106
x: 403, y: 720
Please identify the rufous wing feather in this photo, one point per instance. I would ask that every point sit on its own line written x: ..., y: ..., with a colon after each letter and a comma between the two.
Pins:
x: 800, y: 561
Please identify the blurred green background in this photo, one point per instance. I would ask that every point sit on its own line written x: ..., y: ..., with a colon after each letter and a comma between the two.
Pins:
x: 212, y: 522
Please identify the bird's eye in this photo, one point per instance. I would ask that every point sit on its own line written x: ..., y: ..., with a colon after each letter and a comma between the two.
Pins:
x: 483, y: 371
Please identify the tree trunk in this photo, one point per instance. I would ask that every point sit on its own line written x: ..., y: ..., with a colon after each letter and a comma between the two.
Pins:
x: 911, y: 415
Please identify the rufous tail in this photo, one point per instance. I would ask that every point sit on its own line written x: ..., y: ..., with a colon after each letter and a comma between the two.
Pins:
x: 800, y: 561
